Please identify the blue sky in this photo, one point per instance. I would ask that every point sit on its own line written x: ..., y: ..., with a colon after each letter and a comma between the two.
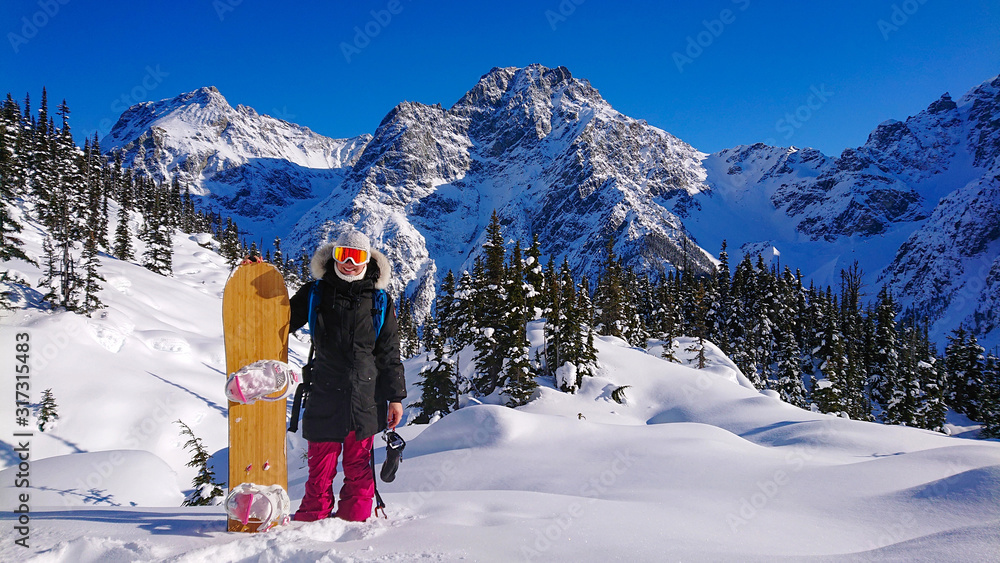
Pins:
x: 716, y: 74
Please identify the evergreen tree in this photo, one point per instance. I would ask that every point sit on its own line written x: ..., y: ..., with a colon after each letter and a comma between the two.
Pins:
x: 462, y: 323
x: 518, y: 376
x: 534, y: 276
x: 232, y: 251
x: 828, y: 393
x: 206, y: 491
x: 47, y: 414
x: 720, y: 299
x: 933, y: 410
x: 787, y: 355
x: 667, y: 321
x: 964, y: 366
x: 698, y: 324
x: 609, y: 299
x: 12, y: 187
x: 278, y: 259
x: 856, y: 403
x: 636, y: 302
x: 439, y: 394
x: 409, y: 340
x: 907, y: 396
x: 12, y: 180
x: 989, y: 409
x: 158, y: 236
x: 305, y: 272
x: 884, y: 370
x: 92, y: 277
x: 569, y: 334
x: 491, y: 341
x: 122, y: 248
x: 444, y: 310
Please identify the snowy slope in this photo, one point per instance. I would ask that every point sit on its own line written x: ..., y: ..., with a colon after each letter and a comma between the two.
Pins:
x: 695, y: 465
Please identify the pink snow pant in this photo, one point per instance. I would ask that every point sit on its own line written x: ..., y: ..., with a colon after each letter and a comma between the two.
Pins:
x: 359, y: 482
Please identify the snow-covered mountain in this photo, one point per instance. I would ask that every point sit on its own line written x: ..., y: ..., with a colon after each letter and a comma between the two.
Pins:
x: 251, y: 166
x: 915, y: 205
x: 539, y: 147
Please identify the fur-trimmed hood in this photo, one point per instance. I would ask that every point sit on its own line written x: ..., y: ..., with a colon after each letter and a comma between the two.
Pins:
x: 324, y: 254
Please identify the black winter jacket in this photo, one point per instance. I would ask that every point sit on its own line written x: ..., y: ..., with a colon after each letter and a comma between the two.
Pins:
x: 353, y: 374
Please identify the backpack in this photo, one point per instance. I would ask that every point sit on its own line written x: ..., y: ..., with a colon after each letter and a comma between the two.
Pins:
x: 380, y: 302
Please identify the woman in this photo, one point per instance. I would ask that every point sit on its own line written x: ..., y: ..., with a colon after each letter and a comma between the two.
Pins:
x: 354, y: 372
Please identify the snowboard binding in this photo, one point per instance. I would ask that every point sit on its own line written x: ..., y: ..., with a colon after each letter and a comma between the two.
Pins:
x: 266, y: 380
x: 253, y: 504
x: 394, y: 445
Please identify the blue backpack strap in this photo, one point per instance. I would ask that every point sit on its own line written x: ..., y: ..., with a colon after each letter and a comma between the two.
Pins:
x: 314, y: 296
x: 302, y: 391
x: 380, y: 301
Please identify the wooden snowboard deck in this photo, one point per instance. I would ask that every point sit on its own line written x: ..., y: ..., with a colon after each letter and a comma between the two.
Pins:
x: 255, y: 316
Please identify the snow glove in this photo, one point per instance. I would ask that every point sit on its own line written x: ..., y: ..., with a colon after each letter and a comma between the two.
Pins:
x: 394, y: 445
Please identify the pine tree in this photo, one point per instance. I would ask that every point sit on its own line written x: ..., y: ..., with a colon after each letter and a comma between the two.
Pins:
x: 636, y: 303
x: 856, y: 403
x: 122, y: 248
x: 47, y: 414
x: 787, y: 354
x: 444, y: 308
x: 534, y: 276
x: 721, y: 306
x: 609, y: 298
x: 206, y: 491
x: 11, y: 182
x: 12, y: 187
x: 491, y: 288
x: 828, y: 393
x: 907, y: 396
x: 884, y: 370
x: 278, y: 259
x: 933, y: 409
x: 698, y: 324
x: 157, y: 234
x: 989, y: 410
x: 439, y: 394
x: 92, y: 276
x: 409, y: 339
x: 232, y: 251
x: 964, y: 366
x: 462, y: 322
x: 518, y: 378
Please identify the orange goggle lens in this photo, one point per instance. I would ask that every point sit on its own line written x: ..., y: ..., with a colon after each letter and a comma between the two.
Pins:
x: 344, y: 253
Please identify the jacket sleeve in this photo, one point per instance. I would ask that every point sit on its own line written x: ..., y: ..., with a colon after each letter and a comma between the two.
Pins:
x: 299, y: 305
x: 391, y: 385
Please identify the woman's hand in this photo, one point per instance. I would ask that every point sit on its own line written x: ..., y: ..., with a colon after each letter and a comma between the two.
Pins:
x: 395, y: 415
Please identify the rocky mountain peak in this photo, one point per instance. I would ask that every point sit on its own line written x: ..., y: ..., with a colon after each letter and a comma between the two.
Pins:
x: 944, y: 103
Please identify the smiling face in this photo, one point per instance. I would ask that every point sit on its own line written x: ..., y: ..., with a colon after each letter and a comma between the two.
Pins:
x: 350, y: 268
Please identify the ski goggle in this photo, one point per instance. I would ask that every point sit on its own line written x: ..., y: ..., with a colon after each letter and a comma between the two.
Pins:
x: 357, y: 255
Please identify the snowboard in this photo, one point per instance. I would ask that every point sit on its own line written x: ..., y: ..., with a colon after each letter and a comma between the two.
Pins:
x: 255, y: 317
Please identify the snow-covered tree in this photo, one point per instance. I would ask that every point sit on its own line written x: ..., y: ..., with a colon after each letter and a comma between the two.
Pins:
x: 206, y: 491
x: 47, y: 410
x: 963, y: 362
x: 439, y: 394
